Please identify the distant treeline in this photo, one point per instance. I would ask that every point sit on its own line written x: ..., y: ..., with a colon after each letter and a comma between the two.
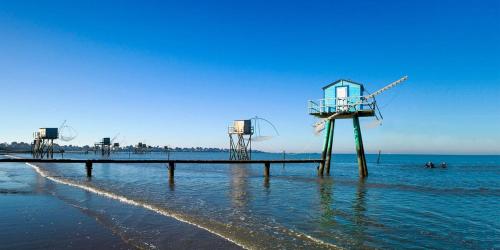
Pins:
x: 23, y: 146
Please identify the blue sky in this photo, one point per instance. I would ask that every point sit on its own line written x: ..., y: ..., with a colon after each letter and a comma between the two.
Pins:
x: 170, y: 73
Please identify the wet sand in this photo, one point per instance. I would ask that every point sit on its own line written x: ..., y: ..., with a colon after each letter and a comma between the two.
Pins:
x: 36, y: 213
x: 41, y: 222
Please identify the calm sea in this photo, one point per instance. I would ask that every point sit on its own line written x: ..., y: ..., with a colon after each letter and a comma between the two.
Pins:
x: 400, y: 205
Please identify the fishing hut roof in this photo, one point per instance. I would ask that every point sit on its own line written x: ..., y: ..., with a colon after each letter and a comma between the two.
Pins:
x: 342, y: 80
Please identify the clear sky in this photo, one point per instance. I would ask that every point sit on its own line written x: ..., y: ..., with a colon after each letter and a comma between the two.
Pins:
x: 176, y: 73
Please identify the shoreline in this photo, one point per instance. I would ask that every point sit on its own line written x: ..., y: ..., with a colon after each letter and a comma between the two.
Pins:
x: 193, y: 236
x: 237, y: 203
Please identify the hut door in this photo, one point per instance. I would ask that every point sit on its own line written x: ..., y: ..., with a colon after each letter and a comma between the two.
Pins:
x: 342, y: 98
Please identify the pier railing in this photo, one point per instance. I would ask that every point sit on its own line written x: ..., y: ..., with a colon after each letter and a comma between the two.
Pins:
x: 171, y: 163
x: 331, y: 105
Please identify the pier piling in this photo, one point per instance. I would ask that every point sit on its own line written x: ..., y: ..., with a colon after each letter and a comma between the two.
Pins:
x: 325, y: 149
x: 267, y: 166
x: 171, y: 169
x: 88, y: 167
x: 363, y: 170
x: 284, y: 157
x: 328, y: 159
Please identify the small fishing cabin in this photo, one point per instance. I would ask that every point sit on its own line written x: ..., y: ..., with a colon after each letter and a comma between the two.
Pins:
x: 342, y: 99
x: 341, y: 96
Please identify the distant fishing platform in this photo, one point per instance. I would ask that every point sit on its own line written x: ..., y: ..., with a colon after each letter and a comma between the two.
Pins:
x: 171, y: 163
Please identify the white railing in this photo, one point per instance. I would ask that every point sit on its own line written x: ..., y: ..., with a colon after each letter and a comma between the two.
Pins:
x: 347, y: 104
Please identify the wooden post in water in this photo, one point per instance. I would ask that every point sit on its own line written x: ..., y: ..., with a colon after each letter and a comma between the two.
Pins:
x: 267, y: 166
x: 363, y: 170
x: 325, y: 146
x: 88, y: 167
x: 329, y: 147
x: 171, y: 169
x: 283, y: 159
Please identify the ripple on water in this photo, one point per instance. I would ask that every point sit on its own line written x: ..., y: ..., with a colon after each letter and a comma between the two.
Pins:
x: 398, y: 206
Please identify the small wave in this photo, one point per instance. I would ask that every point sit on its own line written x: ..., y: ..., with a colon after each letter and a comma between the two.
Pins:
x: 128, y: 201
x: 161, y: 211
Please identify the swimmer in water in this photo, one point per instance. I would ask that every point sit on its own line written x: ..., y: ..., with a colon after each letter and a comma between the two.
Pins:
x: 429, y: 165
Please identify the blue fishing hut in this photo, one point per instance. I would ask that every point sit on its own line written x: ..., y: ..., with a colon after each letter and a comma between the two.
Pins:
x: 342, y: 99
x: 340, y: 96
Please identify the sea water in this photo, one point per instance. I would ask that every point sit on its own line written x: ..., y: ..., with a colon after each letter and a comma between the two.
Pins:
x: 401, y: 204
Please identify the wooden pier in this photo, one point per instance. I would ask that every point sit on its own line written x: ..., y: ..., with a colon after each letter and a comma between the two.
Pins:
x: 170, y: 163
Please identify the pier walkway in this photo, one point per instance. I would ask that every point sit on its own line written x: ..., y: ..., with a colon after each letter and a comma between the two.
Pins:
x: 171, y: 163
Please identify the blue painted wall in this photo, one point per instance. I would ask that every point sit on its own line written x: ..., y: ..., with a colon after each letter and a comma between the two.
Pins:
x: 354, y: 91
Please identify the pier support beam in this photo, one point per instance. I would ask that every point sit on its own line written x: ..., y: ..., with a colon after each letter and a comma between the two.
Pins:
x: 363, y: 170
x: 171, y: 169
x: 329, y: 147
x: 267, y: 167
x: 325, y: 147
x: 88, y: 167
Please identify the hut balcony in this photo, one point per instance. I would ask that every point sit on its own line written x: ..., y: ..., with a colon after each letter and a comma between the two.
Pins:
x: 348, y: 105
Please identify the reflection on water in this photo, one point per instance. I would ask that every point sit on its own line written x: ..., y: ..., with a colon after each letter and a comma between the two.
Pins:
x: 400, y: 205
x: 41, y: 183
x: 359, y: 208
x: 326, y: 201
x: 171, y: 184
x: 239, y: 187
x: 267, y: 184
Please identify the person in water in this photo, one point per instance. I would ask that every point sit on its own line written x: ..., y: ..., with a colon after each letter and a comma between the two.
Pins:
x: 429, y: 165
x: 443, y: 164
